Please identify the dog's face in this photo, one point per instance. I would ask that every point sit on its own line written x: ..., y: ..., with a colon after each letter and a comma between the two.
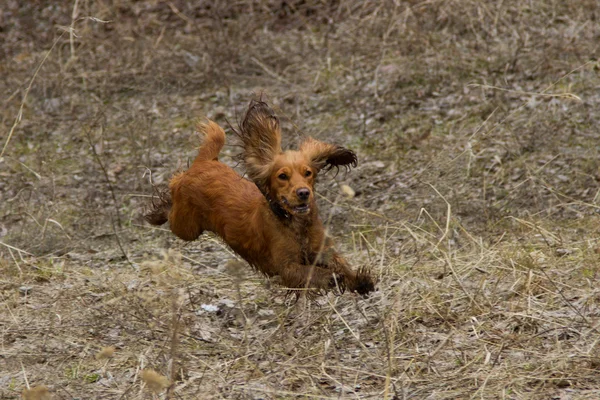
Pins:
x: 286, y: 177
x: 291, y: 182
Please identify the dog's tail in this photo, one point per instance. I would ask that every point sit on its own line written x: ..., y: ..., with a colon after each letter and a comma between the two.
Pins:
x: 214, y: 140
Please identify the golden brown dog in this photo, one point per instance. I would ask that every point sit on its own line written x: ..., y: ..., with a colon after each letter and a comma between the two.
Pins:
x: 271, y: 222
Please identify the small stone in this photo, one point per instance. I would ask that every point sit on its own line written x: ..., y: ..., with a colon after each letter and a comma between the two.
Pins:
x: 25, y: 290
x: 348, y: 191
x: 563, y: 252
x: 209, y: 308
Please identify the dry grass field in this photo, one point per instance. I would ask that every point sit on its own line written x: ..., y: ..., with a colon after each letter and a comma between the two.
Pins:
x: 476, y: 199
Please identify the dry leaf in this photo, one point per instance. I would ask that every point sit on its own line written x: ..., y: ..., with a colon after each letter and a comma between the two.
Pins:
x: 155, y: 381
x: 106, y: 352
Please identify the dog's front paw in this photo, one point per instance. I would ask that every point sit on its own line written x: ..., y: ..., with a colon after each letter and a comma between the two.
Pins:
x: 364, y: 283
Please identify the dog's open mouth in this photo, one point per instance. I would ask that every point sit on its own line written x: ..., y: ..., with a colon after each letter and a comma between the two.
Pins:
x: 302, y: 209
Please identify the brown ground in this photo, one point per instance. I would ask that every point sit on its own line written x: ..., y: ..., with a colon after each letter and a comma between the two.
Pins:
x: 477, y: 198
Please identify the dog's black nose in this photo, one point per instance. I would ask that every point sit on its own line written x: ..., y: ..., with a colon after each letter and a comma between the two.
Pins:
x: 303, y: 193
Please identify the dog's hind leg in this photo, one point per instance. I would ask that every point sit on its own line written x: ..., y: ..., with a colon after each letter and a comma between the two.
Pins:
x: 185, y: 217
x: 185, y: 222
x: 158, y: 211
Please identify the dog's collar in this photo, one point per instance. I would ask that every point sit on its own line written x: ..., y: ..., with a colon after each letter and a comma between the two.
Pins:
x: 279, y: 211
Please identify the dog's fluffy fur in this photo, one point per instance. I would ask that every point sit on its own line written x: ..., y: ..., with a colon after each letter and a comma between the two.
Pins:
x: 271, y: 221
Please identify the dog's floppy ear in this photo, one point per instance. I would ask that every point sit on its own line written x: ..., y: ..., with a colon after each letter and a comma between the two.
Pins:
x: 324, y: 155
x: 261, y: 139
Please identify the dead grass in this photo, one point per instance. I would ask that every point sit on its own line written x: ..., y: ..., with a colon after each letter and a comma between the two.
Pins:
x: 475, y: 200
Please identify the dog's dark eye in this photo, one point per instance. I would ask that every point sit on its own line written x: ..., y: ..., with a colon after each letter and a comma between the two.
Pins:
x: 307, y: 173
x: 283, y: 177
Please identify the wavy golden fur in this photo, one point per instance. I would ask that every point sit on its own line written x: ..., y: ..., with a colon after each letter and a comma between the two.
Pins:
x: 271, y: 220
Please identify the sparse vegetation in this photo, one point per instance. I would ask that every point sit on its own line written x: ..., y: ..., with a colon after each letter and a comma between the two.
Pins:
x: 475, y: 200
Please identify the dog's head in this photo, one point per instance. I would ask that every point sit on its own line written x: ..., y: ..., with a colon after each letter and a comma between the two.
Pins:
x: 287, y: 178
